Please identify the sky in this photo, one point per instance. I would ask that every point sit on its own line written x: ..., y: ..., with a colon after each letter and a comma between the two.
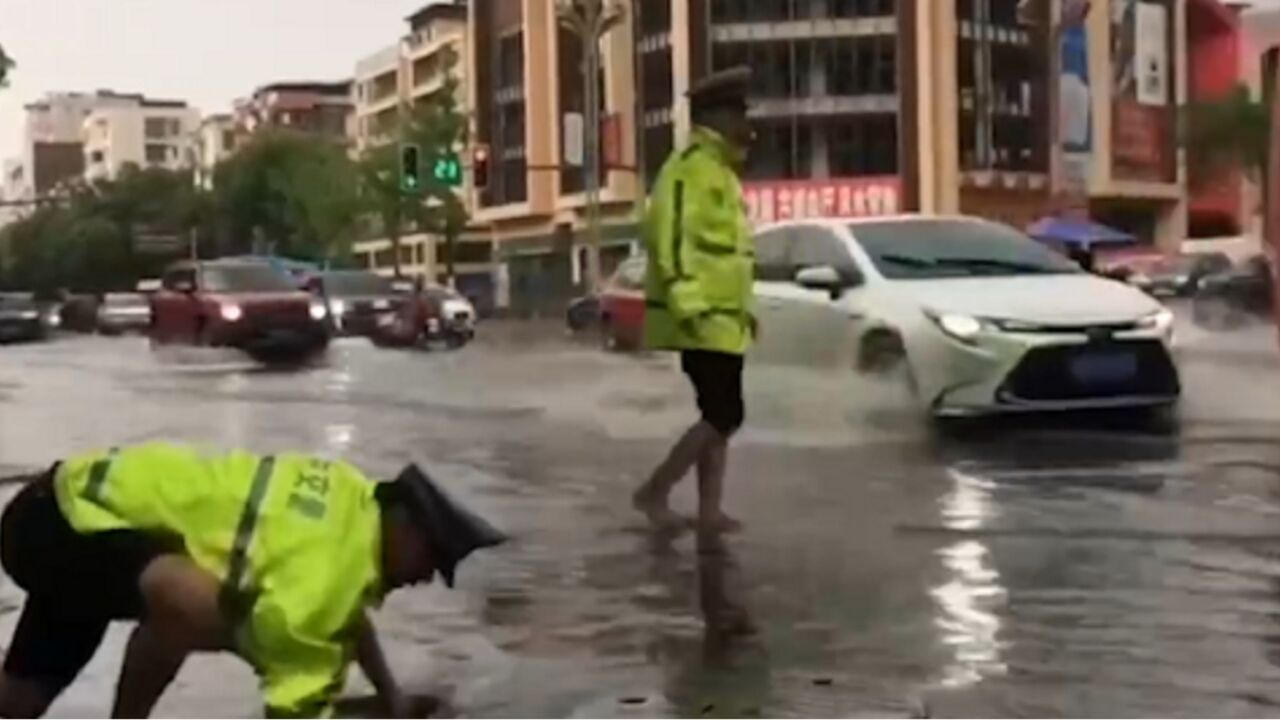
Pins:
x: 207, y: 52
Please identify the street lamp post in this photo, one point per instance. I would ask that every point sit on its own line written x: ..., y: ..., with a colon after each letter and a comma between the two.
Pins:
x: 590, y: 21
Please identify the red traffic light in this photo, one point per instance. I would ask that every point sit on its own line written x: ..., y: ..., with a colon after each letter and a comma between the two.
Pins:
x: 480, y: 166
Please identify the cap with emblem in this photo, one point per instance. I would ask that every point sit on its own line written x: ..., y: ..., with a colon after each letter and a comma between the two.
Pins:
x: 453, y: 531
x: 722, y: 89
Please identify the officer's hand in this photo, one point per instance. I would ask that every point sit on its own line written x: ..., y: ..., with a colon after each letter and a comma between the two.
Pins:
x: 753, y: 324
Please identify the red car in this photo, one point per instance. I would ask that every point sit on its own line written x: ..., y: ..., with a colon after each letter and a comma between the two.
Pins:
x: 622, y: 306
x: 241, y: 304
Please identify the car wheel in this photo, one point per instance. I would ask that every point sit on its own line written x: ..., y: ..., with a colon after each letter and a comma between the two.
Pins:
x: 882, y: 353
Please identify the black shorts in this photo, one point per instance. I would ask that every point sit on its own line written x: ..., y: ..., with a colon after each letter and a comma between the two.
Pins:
x: 717, y: 380
x: 76, y: 585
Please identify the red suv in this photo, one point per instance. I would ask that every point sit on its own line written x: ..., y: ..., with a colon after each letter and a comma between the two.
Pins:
x: 242, y: 304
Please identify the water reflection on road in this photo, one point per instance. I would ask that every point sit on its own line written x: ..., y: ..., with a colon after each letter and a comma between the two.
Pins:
x: 1035, y: 568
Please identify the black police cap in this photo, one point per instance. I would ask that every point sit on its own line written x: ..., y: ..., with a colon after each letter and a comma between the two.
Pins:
x: 723, y: 88
x: 454, y: 531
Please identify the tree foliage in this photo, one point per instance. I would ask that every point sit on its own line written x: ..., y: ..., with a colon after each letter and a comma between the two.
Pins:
x: 436, y: 124
x: 1231, y: 132
x: 6, y: 65
x: 288, y: 193
x: 88, y: 242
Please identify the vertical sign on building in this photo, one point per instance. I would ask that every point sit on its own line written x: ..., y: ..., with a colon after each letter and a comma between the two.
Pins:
x: 1143, y: 120
x: 1075, y: 114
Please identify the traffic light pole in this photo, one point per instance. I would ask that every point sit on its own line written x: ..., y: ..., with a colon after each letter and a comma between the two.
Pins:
x: 592, y: 117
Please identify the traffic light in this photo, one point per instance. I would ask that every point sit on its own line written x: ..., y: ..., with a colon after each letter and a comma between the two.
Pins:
x: 448, y: 170
x: 410, y: 169
x: 480, y: 166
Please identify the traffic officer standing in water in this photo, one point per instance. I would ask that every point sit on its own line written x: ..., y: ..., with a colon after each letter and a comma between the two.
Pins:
x: 274, y: 558
x: 698, y: 293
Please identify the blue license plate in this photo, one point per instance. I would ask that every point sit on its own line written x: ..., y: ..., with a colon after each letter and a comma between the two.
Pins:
x: 1104, y: 367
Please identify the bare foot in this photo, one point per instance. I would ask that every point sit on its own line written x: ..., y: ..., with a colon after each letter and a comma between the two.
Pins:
x: 660, y: 515
x: 718, y: 524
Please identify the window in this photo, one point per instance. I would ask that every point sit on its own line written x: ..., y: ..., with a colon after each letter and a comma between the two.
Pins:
x: 155, y: 128
x: 813, y: 246
x: 630, y: 275
x: 228, y: 140
x: 511, y: 61
x: 246, y: 278
x: 178, y: 277
x: 863, y: 145
x: 97, y: 156
x: 927, y: 249
x: 157, y: 154
x: 773, y: 262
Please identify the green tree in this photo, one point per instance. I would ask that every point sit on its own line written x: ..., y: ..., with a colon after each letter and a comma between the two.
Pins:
x: 437, y: 125
x: 88, y: 241
x: 6, y: 65
x: 1231, y: 132
x: 297, y: 193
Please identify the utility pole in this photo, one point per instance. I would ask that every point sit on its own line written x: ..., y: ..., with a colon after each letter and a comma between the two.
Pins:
x: 590, y: 21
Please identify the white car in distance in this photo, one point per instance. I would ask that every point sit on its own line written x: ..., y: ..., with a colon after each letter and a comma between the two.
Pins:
x: 981, y: 319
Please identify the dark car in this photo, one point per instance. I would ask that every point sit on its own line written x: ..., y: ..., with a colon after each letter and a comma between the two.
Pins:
x: 121, y: 313
x: 356, y: 299
x: 242, y: 304
x: 1178, y: 276
x: 1228, y: 299
x: 20, y: 318
x: 622, y: 306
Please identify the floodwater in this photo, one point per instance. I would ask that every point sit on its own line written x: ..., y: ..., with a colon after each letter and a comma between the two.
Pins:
x: 1053, y: 567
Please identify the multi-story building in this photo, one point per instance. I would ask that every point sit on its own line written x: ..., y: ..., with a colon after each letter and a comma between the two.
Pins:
x: 429, y: 59
x: 525, y: 76
x: 52, y: 151
x: 215, y: 140
x: 861, y: 107
x: 321, y: 108
x: 147, y: 134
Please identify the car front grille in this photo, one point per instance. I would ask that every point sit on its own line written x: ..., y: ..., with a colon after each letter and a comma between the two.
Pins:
x: 1050, y: 373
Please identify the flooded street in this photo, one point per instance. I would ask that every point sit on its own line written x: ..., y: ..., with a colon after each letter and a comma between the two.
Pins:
x: 1028, y: 568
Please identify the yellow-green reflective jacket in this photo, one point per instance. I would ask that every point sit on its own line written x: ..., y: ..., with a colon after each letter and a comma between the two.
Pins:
x: 698, y: 290
x: 296, y: 541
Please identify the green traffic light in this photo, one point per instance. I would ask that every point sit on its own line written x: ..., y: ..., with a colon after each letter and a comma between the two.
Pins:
x: 448, y: 170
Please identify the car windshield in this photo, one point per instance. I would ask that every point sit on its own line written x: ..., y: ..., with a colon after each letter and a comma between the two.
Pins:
x: 357, y: 283
x: 16, y: 300
x: 125, y: 301
x: 439, y: 292
x: 245, y: 278
x: 929, y: 249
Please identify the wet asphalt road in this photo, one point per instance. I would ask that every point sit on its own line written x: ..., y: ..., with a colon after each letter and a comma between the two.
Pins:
x: 1033, y: 568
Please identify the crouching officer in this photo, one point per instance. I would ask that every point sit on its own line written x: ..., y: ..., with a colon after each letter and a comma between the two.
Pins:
x: 698, y: 291
x: 274, y: 558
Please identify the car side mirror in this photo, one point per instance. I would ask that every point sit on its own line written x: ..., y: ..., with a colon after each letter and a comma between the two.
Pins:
x: 822, y: 277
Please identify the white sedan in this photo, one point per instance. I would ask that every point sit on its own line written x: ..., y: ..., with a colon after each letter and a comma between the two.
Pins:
x: 980, y: 318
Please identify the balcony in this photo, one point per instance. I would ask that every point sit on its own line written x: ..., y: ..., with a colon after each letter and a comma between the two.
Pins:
x: 804, y: 29
x: 769, y: 108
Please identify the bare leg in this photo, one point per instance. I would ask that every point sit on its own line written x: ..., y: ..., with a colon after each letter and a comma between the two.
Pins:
x: 652, y: 497
x: 182, y: 617
x: 711, y: 470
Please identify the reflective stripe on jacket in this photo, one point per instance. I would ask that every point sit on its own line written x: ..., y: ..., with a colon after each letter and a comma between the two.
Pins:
x: 698, y: 290
x: 296, y: 541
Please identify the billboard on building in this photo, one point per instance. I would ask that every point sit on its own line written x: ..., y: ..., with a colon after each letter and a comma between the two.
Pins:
x: 834, y: 198
x: 1075, y: 106
x: 1143, y: 132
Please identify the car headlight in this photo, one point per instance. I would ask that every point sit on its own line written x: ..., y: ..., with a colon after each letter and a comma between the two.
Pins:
x: 54, y: 320
x: 961, y: 327
x: 318, y: 311
x: 231, y: 312
x: 339, y: 308
x: 1160, y: 321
